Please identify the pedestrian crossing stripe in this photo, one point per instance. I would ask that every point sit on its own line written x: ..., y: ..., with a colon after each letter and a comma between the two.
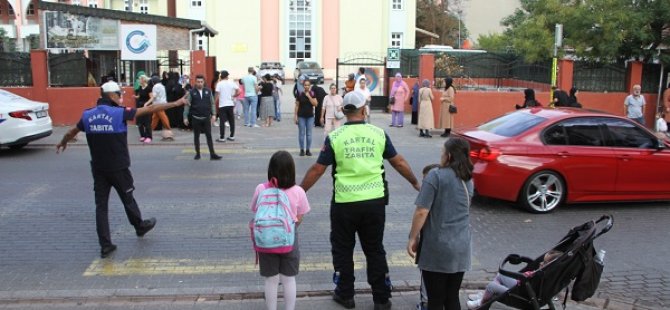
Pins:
x: 167, y: 266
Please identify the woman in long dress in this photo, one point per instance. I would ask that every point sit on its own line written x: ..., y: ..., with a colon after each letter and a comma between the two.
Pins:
x: 426, y: 119
x: 400, y: 93
x: 446, y: 118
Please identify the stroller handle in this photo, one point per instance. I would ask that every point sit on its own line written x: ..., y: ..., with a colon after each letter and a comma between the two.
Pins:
x: 608, y: 225
x: 514, y: 259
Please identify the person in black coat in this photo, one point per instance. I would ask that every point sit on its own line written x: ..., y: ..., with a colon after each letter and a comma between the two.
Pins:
x: 561, y: 98
x: 529, y: 100
x: 573, y: 98
x: 320, y: 94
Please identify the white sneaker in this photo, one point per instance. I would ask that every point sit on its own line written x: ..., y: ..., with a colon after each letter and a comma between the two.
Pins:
x: 475, y: 296
x: 255, y: 126
x: 474, y: 304
x: 227, y: 124
x: 215, y: 124
x: 220, y: 140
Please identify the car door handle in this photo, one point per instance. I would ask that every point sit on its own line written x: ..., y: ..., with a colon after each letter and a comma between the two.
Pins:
x: 563, y: 154
x: 624, y: 157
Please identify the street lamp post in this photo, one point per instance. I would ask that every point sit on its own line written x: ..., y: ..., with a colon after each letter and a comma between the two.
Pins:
x: 459, y: 28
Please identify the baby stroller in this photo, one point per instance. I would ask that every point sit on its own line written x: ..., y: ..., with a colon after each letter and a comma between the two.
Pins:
x: 577, y: 262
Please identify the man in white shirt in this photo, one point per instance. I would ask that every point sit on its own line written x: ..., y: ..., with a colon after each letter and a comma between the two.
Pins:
x: 159, y: 96
x: 634, y: 105
x: 226, y: 91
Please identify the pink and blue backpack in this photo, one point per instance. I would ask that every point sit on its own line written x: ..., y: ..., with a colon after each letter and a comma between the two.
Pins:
x: 272, y: 228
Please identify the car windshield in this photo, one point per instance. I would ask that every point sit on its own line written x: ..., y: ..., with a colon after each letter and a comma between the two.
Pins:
x: 512, y: 124
x: 309, y: 65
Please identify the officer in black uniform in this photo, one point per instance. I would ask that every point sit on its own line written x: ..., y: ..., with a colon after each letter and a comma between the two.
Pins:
x: 203, y: 112
x: 107, y: 137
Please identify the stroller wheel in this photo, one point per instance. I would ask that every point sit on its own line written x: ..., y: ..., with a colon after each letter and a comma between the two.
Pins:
x: 543, y: 192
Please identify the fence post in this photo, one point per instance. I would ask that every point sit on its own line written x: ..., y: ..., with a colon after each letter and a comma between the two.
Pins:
x: 633, y: 74
x: 565, y: 74
x: 40, y: 71
x: 427, y: 72
x: 198, y: 64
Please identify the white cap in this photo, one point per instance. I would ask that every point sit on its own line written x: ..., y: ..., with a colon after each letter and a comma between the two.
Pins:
x: 110, y: 87
x: 355, y: 99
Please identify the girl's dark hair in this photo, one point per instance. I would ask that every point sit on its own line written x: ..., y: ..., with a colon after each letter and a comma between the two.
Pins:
x: 282, y: 168
x: 448, y: 82
x: 459, y: 161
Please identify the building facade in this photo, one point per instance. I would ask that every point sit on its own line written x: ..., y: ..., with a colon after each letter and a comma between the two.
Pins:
x: 289, y: 31
x: 482, y: 17
x: 253, y: 31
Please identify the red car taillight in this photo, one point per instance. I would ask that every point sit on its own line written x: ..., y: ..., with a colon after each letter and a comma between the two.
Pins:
x: 486, y: 154
x: 21, y: 114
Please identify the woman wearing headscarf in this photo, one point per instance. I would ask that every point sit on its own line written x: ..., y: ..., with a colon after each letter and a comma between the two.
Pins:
x: 415, y: 103
x: 400, y: 94
x: 529, y: 100
x: 426, y: 119
x: 572, y: 99
x: 447, y: 99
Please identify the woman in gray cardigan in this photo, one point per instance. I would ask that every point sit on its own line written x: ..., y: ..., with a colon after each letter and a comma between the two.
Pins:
x: 442, y: 217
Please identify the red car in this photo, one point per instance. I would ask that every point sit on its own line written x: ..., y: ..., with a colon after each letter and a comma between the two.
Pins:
x: 545, y: 157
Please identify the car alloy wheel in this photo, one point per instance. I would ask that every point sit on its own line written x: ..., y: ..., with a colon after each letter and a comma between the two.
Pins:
x: 543, y: 192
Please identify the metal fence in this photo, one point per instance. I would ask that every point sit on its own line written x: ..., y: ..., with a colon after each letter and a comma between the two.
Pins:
x: 67, y: 69
x: 598, y: 77
x: 15, y: 69
x: 492, y: 71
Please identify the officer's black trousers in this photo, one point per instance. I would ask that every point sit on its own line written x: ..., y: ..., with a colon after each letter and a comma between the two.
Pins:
x: 202, y: 125
x: 368, y: 221
x: 122, y: 181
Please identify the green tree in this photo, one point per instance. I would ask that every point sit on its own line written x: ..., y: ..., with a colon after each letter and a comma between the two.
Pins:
x: 435, y: 18
x: 600, y: 30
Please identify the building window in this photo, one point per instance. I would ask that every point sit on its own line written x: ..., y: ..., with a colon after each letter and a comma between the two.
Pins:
x: 93, y: 5
x: 144, y: 6
x: 76, y: 2
x: 196, y: 3
x: 300, y: 30
x: 31, y: 9
x: 396, y: 39
x: 10, y: 10
x: 396, y: 4
x: 128, y: 8
x: 201, y: 42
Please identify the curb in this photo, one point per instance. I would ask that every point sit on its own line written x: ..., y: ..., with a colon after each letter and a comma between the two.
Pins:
x: 235, y: 293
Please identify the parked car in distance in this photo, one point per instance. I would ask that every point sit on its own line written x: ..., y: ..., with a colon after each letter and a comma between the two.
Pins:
x: 311, y: 69
x: 272, y: 68
x: 542, y: 158
x: 22, y: 120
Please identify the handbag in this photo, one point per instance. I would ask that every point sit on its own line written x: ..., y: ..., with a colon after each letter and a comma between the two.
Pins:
x: 453, y: 109
x: 339, y: 115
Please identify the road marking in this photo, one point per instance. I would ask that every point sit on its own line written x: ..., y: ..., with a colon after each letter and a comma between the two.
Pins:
x: 167, y: 266
x: 239, y: 151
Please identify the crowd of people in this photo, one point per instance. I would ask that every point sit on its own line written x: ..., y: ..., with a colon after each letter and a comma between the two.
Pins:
x: 353, y: 147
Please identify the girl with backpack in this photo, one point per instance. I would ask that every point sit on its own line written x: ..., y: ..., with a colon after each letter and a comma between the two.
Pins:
x: 279, y: 206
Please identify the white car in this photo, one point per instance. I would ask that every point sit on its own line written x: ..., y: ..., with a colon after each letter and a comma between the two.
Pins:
x: 22, y: 120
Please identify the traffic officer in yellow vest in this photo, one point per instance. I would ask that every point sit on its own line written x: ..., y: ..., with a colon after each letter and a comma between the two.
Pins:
x: 360, y: 194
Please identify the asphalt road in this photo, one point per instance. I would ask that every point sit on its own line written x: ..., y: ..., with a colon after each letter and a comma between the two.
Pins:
x: 49, y: 246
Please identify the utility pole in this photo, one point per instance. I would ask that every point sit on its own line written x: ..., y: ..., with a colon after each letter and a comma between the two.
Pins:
x: 558, y: 42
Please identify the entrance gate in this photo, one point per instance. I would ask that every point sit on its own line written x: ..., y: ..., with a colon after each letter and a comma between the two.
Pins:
x: 375, y: 75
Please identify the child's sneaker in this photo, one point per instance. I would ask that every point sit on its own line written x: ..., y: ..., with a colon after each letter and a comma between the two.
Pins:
x: 142, y: 139
x: 474, y: 304
x: 147, y: 141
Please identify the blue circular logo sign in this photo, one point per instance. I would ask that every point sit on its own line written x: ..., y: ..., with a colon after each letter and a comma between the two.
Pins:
x: 137, y: 41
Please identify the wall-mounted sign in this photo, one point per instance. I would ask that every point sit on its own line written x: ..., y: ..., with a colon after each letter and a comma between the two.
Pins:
x: 138, y: 42
x: 72, y: 31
